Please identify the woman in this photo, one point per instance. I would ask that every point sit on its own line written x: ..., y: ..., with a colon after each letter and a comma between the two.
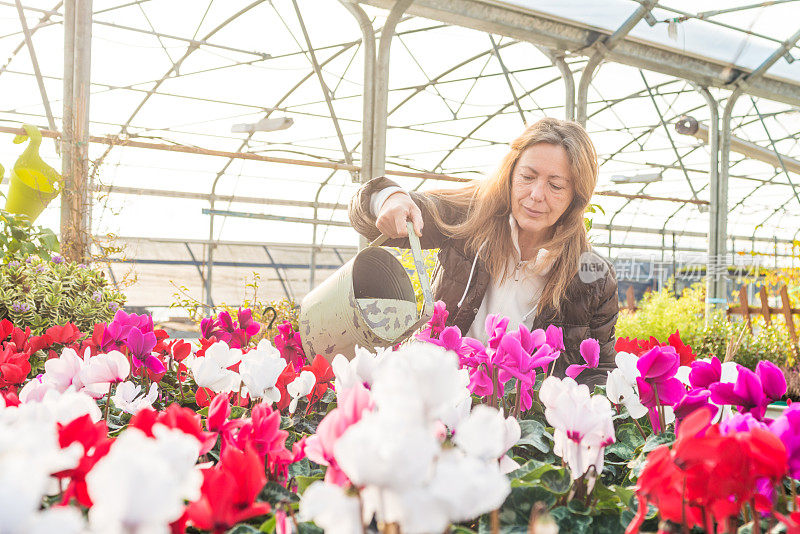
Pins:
x: 514, y: 244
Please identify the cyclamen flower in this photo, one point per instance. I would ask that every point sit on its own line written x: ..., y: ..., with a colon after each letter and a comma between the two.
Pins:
x: 582, y: 423
x: 260, y: 370
x: 752, y: 392
x: 436, y: 324
x: 105, y: 369
x: 331, y: 508
x: 288, y: 343
x: 141, y: 344
x: 352, y: 404
x: 590, y: 351
x: 787, y: 428
x: 485, y: 435
x: 127, y: 397
x: 359, y: 370
x: 708, y: 476
x: 229, y: 491
x: 212, y: 370
x: 142, y: 483
x: 300, y: 387
x: 621, y: 385
x: 657, y: 384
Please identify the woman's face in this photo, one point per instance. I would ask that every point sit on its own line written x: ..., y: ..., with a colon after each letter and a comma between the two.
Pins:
x: 541, y: 188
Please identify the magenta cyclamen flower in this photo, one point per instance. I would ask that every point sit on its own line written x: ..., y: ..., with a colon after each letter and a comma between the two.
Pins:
x: 141, y: 346
x: 657, y: 383
x: 787, y: 428
x: 692, y: 401
x: 590, y: 351
x: 703, y: 374
x: 752, y: 392
x: 437, y: 322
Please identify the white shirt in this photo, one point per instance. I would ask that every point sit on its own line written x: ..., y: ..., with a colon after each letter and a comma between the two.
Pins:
x: 516, y: 297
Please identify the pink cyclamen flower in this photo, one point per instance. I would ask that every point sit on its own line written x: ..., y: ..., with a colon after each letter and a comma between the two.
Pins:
x: 590, y: 351
x: 353, y: 402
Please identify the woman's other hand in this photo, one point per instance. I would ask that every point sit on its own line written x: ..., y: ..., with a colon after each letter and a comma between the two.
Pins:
x: 396, y: 210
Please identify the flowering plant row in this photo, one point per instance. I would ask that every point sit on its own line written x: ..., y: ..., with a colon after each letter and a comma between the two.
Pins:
x: 122, y: 429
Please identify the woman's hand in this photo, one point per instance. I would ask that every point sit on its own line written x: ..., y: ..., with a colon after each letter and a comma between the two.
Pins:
x: 396, y: 210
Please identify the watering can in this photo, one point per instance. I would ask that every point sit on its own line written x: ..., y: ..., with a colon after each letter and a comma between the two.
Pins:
x: 34, y: 183
x: 368, y: 302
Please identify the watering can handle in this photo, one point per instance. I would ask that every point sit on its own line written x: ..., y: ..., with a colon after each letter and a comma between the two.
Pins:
x: 422, y: 273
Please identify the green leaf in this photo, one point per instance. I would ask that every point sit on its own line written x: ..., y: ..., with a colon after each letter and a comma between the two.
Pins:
x: 300, y: 468
x: 628, y: 440
x: 557, y: 480
x: 535, y: 435
x: 578, y: 507
x: 309, y: 528
x: 243, y: 528
x: 237, y: 412
x: 570, y: 523
x: 274, y: 493
x: 268, y: 525
x: 525, y: 469
x: 304, y: 482
x: 656, y: 440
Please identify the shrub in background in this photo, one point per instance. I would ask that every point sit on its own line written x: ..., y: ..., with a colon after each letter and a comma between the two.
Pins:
x: 661, y: 313
x: 37, y: 293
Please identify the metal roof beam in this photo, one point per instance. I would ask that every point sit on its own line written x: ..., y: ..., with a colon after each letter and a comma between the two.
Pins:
x: 537, y: 28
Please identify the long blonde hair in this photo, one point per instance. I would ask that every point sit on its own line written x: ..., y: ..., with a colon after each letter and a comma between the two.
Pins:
x: 488, y: 205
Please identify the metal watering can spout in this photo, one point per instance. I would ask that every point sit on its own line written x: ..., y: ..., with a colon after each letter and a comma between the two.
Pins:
x: 368, y: 302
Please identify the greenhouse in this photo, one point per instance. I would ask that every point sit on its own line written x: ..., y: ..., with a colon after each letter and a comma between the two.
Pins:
x: 201, y: 332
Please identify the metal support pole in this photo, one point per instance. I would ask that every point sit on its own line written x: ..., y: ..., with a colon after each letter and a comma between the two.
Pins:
x: 601, y: 47
x: 508, y: 79
x: 368, y: 104
x: 714, y: 207
x: 557, y: 58
x: 720, y: 225
x: 35, y: 62
x: 381, y: 91
x: 67, y: 120
x: 77, y: 200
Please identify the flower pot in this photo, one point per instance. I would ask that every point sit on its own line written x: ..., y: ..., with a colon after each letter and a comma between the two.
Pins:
x: 775, y: 409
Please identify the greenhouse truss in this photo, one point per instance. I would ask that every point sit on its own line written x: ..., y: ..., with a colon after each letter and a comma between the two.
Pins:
x: 693, y: 107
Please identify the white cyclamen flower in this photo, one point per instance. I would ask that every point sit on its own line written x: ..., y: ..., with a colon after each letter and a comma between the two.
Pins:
x: 127, y: 398
x: 142, y: 483
x: 370, y: 451
x: 211, y: 371
x: 331, y: 508
x: 260, y: 370
x: 621, y: 385
x: 300, y: 387
x: 582, y: 423
x: 420, y: 380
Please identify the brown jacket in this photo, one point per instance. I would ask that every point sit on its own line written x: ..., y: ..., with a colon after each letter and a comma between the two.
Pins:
x: 588, y: 310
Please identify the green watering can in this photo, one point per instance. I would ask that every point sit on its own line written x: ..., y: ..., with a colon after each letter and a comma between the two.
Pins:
x: 368, y: 302
x: 34, y: 183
